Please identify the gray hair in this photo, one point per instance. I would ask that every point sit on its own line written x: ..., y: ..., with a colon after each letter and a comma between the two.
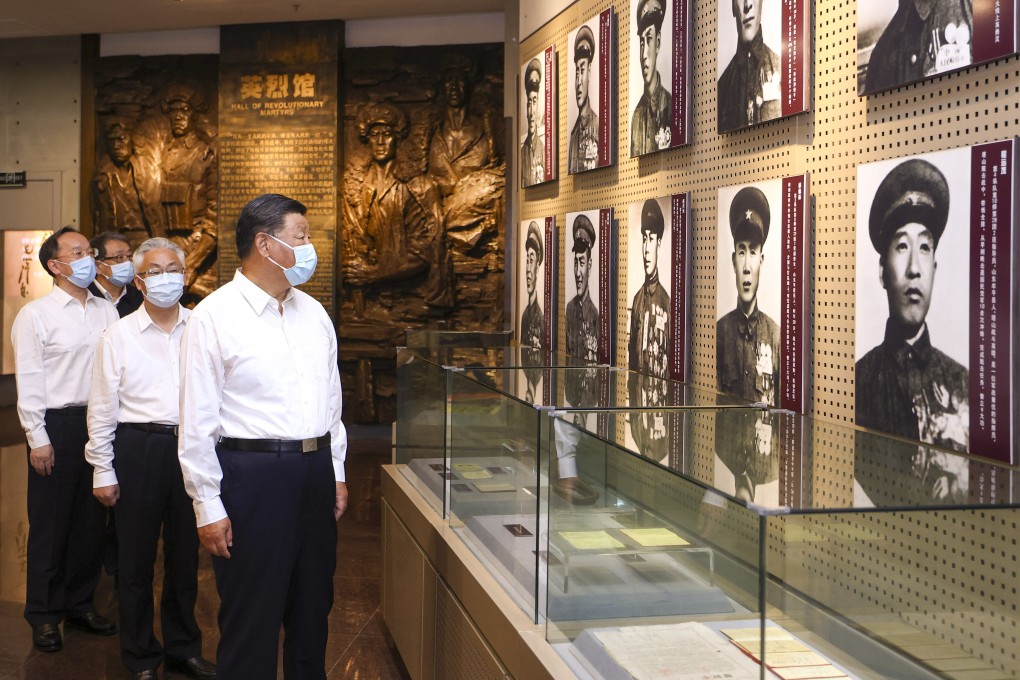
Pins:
x: 155, y: 243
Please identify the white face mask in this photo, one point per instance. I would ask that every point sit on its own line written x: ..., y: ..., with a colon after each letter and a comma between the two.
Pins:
x: 83, y: 271
x: 164, y: 290
x: 121, y: 274
x: 305, y: 259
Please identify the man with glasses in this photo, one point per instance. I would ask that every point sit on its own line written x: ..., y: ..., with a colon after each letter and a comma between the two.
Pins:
x: 115, y: 272
x: 54, y: 341
x: 132, y: 419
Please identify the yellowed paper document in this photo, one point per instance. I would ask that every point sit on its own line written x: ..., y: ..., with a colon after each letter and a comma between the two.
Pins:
x: 658, y: 537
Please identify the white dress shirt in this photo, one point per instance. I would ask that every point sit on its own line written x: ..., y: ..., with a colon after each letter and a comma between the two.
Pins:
x: 54, y: 341
x: 249, y: 372
x: 135, y: 379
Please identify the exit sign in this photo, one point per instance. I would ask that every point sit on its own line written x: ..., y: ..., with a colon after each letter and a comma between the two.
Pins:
x: 12, y: 179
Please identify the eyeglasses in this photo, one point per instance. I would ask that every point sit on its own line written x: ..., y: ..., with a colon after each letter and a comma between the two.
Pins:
x: 75, y: 254
x: 156, y: 272
x: 117, y: 259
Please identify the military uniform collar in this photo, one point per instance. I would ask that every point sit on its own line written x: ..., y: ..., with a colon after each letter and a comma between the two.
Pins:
x: 920, y: 351
x: 650, y: 283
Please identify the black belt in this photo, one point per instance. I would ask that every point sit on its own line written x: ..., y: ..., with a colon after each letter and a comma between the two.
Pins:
x: 155, y: 428
x: 68, y: 411
x: 276, y: 445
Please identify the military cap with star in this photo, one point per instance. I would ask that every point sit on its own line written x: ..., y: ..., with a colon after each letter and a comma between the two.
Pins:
x: 914, y: 192
x: 650, y: 13
x: 584, y: 44
x: 533, y: 76
x: 651, y: 218
x: 534, y: 240
x: 584, y: 234
x: 750, y: 216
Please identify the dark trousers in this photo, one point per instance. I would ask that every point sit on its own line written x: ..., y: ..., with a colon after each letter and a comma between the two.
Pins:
x: 280, y: 570
x: 152, y: 498
x: 65, y: 535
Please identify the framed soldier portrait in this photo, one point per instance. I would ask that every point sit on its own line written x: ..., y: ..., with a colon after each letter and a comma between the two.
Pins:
x: 589, y: 311
x: 934, y: 345
x: 763, y: 61
x: 913, y: 40
x: 537, y: 281
x: 761, y: 291
x: 591, y: 94
x: 538, y: 128
x: 660, y: 71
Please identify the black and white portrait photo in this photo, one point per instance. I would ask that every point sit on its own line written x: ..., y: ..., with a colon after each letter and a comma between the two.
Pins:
x: 649, y: 285
x: 750, y: 73
x: 582, y: 272
x: 748, y: 289
x: 583, y: 98
x: 913, y: 297
x: 538, y: 103
x: 900, y: 43
x: 651, y: 76
x: 531, y: 286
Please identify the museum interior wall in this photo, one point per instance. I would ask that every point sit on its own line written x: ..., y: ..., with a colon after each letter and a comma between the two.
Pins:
x: 840, y: 132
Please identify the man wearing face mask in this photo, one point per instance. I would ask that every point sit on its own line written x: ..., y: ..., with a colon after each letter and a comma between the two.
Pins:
x: 54, y: 341
x: 132, y: 418
x: 115, y: 272
x: 262, y: 447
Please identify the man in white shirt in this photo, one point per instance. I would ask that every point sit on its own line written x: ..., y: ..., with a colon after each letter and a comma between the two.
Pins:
x: 115, y: 272
x: 132, y: 419
x: 54, y: 341
x: 262, y: 447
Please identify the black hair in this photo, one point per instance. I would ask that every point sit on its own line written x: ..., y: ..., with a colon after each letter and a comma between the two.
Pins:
x: 48, y: 249
x: 99, y: 241
x: 266, y: 213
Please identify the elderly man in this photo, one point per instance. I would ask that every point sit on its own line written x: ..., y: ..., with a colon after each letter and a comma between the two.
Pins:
x: 262, y: 447
x: 532, y: 318
x: 54, y: 343
x: 583, y: 152
x: 905, y: 386
x: 115, y: 272
x: 651, y: 126
x: 132, y: 419
x: 533, y: 148
x: 582, y: 314
x: 750, y: 87
x: 747, y: 339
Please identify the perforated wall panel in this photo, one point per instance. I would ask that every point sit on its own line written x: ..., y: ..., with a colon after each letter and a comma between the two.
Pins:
x: 461, y: 653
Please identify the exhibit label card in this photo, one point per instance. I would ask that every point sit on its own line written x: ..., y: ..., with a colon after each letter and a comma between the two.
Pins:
x: 536, y: 288
x: 762, y: 260
x: 896, y: 46
x: 763, y: 61
x: 660, y: 58
x: 539, y: 154
x: 591, y: 102
x: 936, y: 289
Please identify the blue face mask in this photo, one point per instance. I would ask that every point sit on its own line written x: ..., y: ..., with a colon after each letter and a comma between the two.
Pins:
x: 83, y: 271
x: 121, y: 274
x: 164, y: 290
x: 305, y: 260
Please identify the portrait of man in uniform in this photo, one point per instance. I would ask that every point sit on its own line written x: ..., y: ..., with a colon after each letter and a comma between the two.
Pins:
x: 750, y: 84
x: 533, y: 147
x: 648, y: 346
x: 582, y: 322
x: 583, y: 151
x: 906, y: 386
x: 900, y: 43
x: 532, y: 318
x: 747, y: 338
x: 650, y: 125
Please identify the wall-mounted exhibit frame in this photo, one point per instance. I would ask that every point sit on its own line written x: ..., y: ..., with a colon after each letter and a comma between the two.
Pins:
x: 591, y: 94
x: 539, y: 124
x: 537, y: 283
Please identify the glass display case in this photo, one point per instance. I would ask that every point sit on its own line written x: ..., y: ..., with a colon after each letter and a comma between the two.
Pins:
x: 823, y: 550
x: 500, y: 438
x: 420, y: 432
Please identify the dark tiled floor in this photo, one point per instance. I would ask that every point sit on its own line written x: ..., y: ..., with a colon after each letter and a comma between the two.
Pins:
x: 358, y: 649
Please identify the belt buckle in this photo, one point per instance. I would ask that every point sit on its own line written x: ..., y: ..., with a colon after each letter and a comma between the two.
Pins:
x: 177, y: 430
x: 309, y: 445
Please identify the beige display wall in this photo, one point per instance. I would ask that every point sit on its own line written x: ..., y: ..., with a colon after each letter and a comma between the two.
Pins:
x: 948, y: 576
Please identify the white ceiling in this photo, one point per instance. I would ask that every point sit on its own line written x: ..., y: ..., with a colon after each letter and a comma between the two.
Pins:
x: 28, y: 18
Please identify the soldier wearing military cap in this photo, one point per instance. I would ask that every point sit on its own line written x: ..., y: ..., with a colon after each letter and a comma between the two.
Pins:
x: 125, y: 187
x: 533, y: 148
x: 905, y: 386
x: 649, y: 313
x: 747, y: 339
x: 582, y: 314
x: 923, y: 38
x: 583, y: 152
x: 532, y: 317
x: 750, y: 87
x: 650, y: 127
